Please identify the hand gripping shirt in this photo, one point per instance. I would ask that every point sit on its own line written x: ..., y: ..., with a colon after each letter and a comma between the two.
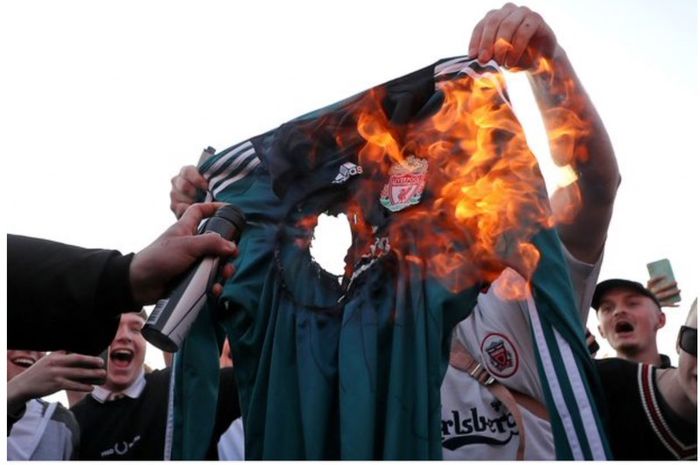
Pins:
x: 351, y: 369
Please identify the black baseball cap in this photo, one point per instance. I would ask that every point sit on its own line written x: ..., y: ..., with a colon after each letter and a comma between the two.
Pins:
x: 604, y: 286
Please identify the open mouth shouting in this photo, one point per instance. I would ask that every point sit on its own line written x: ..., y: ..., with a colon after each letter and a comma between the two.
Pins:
x: 121, y: 358
x: 623, y: 327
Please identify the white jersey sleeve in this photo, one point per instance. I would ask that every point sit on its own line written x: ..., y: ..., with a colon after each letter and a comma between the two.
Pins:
x: 497, y: 334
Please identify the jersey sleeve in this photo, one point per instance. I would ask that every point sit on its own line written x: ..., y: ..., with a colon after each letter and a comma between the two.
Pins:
x: 230, y: 170
x: 584, y: 277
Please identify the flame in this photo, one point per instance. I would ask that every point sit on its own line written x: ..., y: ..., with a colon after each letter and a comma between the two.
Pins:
x: 490, y: 192
x: 567, y: 131
x: 484, y: 195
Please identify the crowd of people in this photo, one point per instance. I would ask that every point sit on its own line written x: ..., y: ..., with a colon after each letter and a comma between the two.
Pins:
x: 493, y: 395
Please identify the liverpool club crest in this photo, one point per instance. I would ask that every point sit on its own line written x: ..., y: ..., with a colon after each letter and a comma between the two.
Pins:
x: 500, y: 355
x: 406, y: 184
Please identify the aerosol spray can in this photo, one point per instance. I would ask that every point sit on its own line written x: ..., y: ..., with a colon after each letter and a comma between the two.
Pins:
x: 173, y: 316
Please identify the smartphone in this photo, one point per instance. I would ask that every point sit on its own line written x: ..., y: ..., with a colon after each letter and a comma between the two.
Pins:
x: 663, y: 268
x: 593, y: 347
x: 97, y: 381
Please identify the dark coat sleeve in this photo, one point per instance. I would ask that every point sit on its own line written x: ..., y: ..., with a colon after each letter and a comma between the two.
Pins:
x: 62, y: 297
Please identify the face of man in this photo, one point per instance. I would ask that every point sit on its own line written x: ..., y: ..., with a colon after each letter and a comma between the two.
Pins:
x: 688, y: 365
x: 126, y: 353
x: 20, y: 360
x: 629, y: 321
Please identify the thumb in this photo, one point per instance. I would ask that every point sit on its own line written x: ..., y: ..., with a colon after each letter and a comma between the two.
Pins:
x: 210, y: 244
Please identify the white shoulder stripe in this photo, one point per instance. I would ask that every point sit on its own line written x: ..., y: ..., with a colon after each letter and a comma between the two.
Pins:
x: 489, y: 71
x: 582, y: 401
x: 452, y: 66
x: 463, y: 64
x: 440, y: 69
x: 244, y: 172
x: 228, y: 171
x: 553, y: 381
x: 235, y: 151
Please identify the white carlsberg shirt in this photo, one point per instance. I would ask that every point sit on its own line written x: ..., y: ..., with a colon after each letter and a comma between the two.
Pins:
x: 475, y: 425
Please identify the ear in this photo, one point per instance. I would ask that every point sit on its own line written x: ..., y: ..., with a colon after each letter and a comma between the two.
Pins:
x: 602, y: 333
x: 661, y: 322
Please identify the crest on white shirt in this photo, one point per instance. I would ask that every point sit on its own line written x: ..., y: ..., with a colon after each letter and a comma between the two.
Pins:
x: 500, y: 355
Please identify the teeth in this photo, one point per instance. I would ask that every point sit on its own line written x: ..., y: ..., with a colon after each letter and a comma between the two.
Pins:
x: 122, y: 352
x: 27, y: 362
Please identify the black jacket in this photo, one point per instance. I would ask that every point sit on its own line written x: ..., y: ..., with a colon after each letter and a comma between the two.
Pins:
x: 641, y: 425
x: 64, y: 297
x: 135, y: 429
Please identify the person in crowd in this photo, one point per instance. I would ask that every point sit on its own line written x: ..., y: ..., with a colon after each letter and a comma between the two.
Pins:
x: 496, y: 410
x: 664, y: 292
x: 39, y: 430
x: 629, y: 317
x: 476, y: 423
x: 65, y: 297
x: 125, y: 418
x: 653, y: 411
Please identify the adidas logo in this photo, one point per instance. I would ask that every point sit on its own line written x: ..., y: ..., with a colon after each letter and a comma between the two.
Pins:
x: 346, y: 171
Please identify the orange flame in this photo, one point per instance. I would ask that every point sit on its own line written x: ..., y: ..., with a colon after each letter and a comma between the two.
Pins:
x: 484, y: 194
x: 566, y: 132
x: 488, y: 188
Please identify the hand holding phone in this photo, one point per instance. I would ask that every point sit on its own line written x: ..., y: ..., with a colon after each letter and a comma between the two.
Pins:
x: 55, y: 372
x: 663, y: 283
x: 91, y: 365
